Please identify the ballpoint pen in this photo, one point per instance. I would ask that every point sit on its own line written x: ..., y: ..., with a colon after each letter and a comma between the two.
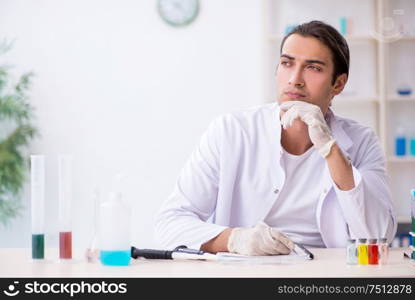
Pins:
x: 180, y: 252
x: 301, y: 250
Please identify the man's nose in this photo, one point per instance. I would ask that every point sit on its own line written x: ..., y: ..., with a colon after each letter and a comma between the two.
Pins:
x: 296, y: 78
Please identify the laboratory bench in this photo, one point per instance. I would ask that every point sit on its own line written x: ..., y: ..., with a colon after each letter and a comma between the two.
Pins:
x: 328, y: 262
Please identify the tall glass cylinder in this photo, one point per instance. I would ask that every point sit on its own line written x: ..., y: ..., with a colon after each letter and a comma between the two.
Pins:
x: 413, y: 209
x: 37, y: 195
x: 65, y: 206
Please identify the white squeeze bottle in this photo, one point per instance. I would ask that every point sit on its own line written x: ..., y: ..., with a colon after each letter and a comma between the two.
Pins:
x: 114, y: 231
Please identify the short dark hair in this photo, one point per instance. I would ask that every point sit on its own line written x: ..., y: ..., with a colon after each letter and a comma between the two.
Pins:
x: 331, y: 38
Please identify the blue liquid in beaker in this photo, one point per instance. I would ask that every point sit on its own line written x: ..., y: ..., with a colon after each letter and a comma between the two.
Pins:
x: 115, y: 258
x: 404, y: 92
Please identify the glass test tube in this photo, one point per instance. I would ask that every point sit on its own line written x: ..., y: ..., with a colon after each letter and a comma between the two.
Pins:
x: 400, y: 142
x: 65, y: 199
x: 351, y: 252
x: 373, y: 252
x: 383, y: 251
x: 412, y: 143
x: 92, y: 252
x: 362, y: 252
x: 412, y: 245
x: 37, y: 193
x: 413, y: 209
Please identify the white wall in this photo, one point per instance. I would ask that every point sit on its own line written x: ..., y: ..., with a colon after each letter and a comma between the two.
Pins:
x: 122, y: 91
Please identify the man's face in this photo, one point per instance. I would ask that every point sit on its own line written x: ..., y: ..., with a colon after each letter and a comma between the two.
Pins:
x: 305, y: 72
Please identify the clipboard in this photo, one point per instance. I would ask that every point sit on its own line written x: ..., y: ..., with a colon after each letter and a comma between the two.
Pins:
x: 299, y: 253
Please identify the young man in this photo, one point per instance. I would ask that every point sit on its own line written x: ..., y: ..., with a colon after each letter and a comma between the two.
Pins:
x: 291, y: 171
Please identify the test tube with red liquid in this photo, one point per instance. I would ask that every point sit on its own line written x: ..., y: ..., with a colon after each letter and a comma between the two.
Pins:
x: 65, y: 206
x: 373, y: 252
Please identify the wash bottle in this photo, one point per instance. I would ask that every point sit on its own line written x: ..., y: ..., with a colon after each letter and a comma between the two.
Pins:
x: 114, y: 231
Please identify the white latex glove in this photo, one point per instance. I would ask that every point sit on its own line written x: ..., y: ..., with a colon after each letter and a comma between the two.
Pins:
x: 310, y: 114
x: 259, y: 240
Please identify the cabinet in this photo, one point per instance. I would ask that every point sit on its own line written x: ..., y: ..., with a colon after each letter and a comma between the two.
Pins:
x: 381, y: 38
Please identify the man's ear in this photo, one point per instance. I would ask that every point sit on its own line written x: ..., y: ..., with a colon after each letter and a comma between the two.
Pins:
x: 339, y: 84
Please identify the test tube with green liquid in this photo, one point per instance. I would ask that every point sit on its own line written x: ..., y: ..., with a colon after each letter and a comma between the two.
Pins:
x: 37, y: 189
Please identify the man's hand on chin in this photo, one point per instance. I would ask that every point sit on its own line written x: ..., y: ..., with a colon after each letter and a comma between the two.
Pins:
x: 310, y: 114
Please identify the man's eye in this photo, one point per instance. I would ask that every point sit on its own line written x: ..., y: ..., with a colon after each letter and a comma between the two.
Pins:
x: 315, y: 68
x: 285, y: 63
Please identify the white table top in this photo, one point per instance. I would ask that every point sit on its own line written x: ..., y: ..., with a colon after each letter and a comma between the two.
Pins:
x: 327, y: 263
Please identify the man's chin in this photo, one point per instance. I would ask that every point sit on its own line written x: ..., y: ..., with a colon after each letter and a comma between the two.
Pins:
x: 285, y: 99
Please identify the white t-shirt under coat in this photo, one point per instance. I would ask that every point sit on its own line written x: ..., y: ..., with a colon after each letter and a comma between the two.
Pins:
x: 294, y: 212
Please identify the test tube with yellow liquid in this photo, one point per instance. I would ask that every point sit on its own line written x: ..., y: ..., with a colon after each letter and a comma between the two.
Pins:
x: 362, y: 252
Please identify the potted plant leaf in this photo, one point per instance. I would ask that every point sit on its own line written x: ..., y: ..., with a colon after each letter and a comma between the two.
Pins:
x: 16, y: 132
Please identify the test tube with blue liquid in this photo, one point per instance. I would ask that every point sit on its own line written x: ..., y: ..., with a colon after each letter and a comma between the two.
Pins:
x: 37, y: 193
x: 343, y: 26
x: 400, y: 142
x: 65, y: 199
x: 412, y: 142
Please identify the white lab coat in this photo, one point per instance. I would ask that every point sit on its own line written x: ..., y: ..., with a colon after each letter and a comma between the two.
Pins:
x: 234, y: 177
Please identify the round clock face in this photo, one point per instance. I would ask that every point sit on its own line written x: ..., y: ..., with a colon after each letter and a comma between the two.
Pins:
x: 178, y: 12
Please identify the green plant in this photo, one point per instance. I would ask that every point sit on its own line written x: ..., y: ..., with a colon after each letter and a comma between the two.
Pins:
x: 16, y: 131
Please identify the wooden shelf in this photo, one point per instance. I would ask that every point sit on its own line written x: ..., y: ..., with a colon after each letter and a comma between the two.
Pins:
x: 352, y: 38
x: 345, y: 100
x: 357, y: 38
x: 403, y: 159
x: 404, y: 219
x: 396, y: 98
x: 407, y: 38
x: 361, y: 38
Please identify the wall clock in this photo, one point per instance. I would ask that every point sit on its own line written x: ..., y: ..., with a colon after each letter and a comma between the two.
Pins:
x: 178, y: 12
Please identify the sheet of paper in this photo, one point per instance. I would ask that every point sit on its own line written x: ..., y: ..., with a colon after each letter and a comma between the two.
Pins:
x: 289, y: 258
